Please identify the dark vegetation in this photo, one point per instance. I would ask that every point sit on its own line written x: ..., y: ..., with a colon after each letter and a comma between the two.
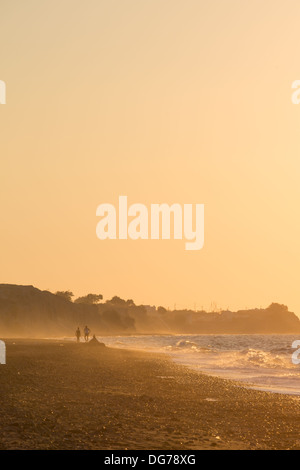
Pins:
x: 26, y: 311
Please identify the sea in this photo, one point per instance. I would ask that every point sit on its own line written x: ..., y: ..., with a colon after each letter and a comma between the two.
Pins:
x: 262, y: 362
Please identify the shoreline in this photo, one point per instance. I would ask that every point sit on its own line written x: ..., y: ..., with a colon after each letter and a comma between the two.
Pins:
x: 62, y: 395
x: 180, y: 357
x: 176, y: 359
x: 209, y: 372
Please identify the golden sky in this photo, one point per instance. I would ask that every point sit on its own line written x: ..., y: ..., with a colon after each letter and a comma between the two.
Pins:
x: 162, y: 101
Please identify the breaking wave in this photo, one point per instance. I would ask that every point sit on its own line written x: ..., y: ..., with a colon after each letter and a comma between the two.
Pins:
x: 259, y: 361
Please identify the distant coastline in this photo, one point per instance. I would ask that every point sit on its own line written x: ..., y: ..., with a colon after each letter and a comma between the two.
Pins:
x: 26, y: 311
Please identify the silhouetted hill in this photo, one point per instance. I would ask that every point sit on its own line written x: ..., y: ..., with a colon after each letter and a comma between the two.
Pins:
x: 276, y: 319
x: 29, y: 312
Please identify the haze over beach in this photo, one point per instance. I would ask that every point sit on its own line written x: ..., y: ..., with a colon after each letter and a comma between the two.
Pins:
x: 150, y: 234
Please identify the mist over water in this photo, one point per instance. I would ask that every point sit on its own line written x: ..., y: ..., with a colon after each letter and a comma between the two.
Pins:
x: 259, y: 361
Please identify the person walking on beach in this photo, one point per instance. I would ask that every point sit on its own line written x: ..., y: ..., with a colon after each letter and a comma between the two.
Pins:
x: 78, y: 334
x: 86, y: 333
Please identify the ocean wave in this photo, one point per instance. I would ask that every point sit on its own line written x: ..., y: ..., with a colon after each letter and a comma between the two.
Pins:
x: 189, y: 346
x: 262, y: 360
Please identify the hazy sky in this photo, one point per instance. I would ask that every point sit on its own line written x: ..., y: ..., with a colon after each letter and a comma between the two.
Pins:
x: 162, y: 101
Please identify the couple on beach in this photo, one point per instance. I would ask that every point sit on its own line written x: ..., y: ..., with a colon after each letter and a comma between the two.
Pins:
x: 86, y: 333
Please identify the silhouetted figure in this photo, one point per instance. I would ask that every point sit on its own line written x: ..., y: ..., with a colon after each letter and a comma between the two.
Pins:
x: 78, y: 334
x: 95, y: 342
x: 86, y: 333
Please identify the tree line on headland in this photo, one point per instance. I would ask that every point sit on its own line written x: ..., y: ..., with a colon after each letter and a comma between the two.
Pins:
x: 26, y: 311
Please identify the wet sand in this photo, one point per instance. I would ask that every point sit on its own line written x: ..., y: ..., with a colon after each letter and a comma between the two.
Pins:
x: 59, y: 395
